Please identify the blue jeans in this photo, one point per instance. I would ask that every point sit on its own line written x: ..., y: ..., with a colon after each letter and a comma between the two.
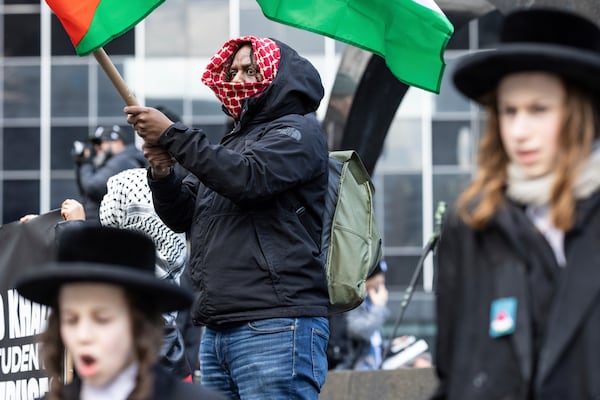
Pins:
x: 279, y: 358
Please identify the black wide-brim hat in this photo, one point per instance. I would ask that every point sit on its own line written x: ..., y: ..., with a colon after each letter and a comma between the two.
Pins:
x: 93, y: 254
x: 535, y: 39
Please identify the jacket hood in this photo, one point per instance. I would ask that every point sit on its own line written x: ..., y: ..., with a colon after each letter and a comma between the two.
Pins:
x: 297, y: 89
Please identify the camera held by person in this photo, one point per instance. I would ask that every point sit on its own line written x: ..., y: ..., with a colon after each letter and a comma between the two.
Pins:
x: 108, y: 151
x: 98, y: 148
x: 79, y: 149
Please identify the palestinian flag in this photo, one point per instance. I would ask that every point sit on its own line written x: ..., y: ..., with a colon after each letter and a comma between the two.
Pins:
x: 92, y: 23
x: 411, y: 35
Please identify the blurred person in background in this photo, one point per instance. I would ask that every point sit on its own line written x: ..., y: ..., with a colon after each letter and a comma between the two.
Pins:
x: 128, y: 205
x: 365, y: 322
x: 518, y: 261
x: 112, y: 150
x: 106, y: 315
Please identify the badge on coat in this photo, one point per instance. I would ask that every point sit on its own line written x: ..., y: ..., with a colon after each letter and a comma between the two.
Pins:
x: 503, y: 316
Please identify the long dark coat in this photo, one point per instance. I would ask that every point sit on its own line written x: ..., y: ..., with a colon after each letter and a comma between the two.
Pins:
x: 554, y: 351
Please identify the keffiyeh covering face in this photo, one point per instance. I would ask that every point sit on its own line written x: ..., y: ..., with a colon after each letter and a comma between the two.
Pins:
x: 230, y: 94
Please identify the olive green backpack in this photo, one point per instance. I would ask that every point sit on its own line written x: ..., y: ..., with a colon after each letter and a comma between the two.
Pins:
x: 350, y: 242
x: 350, y: 239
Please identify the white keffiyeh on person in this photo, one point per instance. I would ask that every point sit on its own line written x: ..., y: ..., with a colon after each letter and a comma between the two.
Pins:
x: 128, y: 205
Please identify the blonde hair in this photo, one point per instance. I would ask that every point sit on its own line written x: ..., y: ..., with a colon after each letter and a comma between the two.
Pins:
x: 147, y: 330
x: 482, y: 198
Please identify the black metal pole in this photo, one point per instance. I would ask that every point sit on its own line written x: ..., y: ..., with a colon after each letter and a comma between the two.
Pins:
x: 429, y: 247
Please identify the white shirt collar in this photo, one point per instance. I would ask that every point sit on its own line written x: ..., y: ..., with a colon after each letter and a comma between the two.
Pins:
x: 117, y: 389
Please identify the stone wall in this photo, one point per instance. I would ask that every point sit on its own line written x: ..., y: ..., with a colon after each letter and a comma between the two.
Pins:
x: 399, y: 384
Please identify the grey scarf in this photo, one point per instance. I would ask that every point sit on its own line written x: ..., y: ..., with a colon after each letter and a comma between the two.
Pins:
x: 536, y: 191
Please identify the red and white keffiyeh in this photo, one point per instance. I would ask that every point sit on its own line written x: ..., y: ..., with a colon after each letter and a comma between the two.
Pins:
x: 231, y: 94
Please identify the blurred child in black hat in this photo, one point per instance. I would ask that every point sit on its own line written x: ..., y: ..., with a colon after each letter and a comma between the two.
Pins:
x: 106, y: 313
x: 518, y: 259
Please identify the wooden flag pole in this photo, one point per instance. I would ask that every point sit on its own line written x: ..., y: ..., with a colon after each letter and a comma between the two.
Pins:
x: 115, y: 77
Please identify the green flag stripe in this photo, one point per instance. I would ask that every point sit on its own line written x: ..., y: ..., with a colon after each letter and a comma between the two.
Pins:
x: 409, y: 36
x: 112, y: 19
x: 418, y: 55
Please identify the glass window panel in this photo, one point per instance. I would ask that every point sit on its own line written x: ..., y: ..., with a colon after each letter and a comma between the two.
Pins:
x: 418, y: 319
x: 253, y: 22
x: 62, y: 189
x: 61, y: 44
x: 110, y: 103
x: 20, y: 198
x: 204, y: 107
x: 419, y: 314
x: 402, y: 147
x: 412, y: 103
x: 122, y: 45
x: 489, y: 27
x: 400, y: 271
x: 449, y: 99
x: 447, y: 187
x: 402, y: 197
x: 181, y: 28
x: 21, y: 2
x: 452, y: 143
x: 62, y: 145
x: 460, y: 37
x: 208, y: 27
x: 21, y: 91
x: 163, y: 28
x: 69, y: 91
x: 21, y: 35
x: 24, y: 150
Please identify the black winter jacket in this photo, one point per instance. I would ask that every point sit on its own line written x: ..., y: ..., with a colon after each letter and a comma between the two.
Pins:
x: 553, y: 351
x: 253, y: 204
